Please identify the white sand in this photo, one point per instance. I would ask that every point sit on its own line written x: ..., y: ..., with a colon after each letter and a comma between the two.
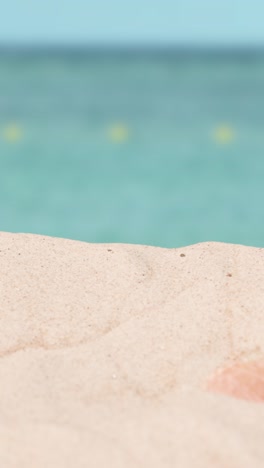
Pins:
x: 105, y: 351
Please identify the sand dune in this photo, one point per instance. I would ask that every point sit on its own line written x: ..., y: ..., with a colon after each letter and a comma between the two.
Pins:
x: 111, y: 355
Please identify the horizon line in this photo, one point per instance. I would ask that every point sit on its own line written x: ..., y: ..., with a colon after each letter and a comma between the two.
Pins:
x: 132, y: 50
x: 127, y: 46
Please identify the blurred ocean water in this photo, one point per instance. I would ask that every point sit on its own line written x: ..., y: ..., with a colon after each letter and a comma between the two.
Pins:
x: 158, y: 149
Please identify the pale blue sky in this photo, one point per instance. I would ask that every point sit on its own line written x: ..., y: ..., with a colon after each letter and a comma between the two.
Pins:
x: 133, y: 21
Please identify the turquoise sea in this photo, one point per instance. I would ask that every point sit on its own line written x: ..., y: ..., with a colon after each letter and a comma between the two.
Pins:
x: 146, y: 147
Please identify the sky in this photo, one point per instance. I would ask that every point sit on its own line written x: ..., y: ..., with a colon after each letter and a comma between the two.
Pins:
x: 187, y: 22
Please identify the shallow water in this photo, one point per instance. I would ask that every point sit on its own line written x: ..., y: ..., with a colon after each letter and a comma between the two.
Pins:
x: 165, y: 150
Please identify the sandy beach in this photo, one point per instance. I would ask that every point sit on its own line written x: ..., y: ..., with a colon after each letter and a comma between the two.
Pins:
x: 115, y: 355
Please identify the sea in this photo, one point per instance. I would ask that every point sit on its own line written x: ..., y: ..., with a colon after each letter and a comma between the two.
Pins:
x: 153, y: 147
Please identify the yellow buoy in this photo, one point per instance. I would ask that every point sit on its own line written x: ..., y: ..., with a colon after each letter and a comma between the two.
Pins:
x: 12, y: 133
x: 224, y: 134
x: 118, y: 133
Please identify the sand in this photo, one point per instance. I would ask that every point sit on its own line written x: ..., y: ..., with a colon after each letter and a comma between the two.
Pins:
x: 108, y: 353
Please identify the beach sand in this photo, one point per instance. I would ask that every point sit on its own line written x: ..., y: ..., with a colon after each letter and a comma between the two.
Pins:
x: 130, y: 356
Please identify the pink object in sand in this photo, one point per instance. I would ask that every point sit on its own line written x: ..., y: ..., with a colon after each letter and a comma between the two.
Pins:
x: 243, y: 380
